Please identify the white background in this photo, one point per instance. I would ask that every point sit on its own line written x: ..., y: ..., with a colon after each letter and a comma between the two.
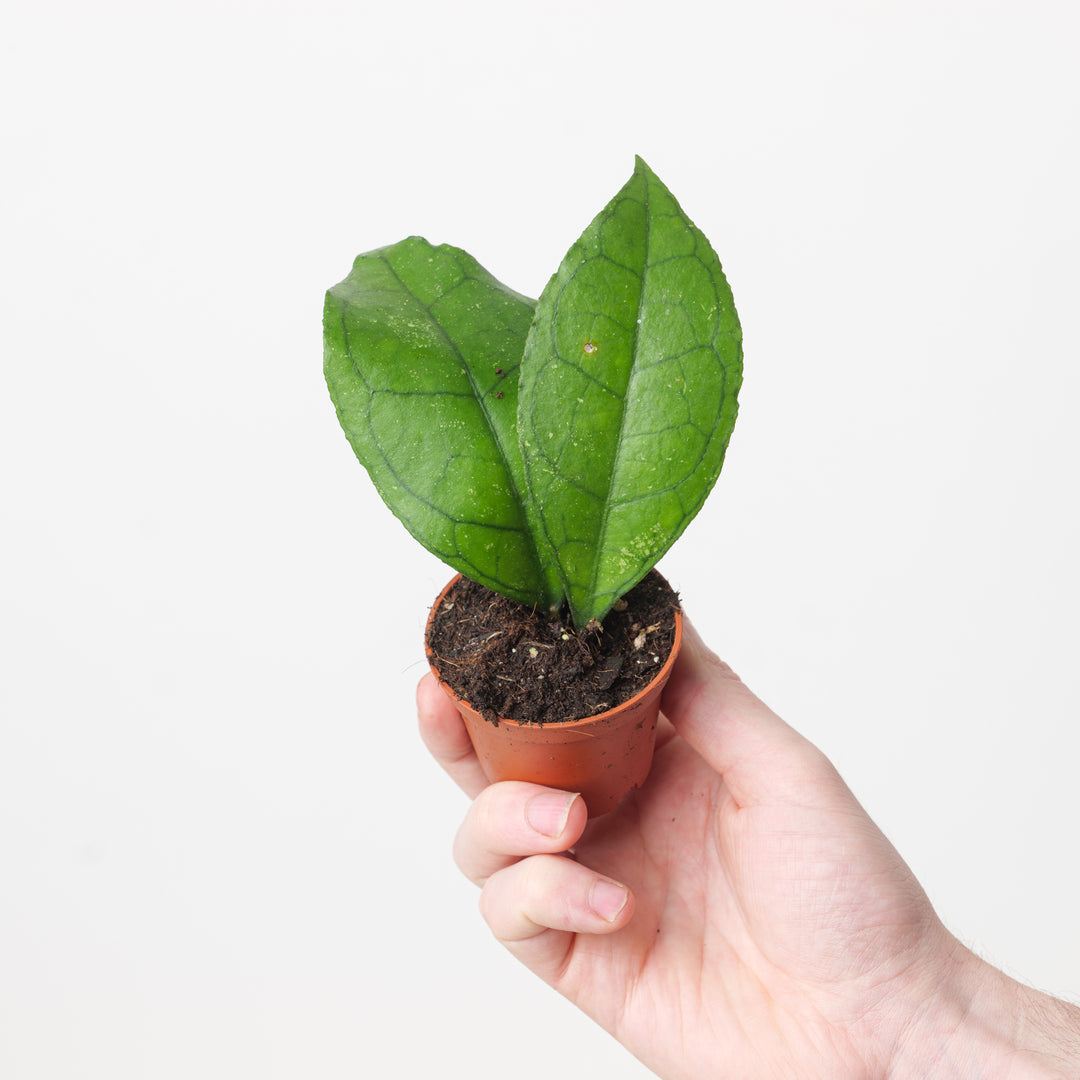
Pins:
x: 223, y: 850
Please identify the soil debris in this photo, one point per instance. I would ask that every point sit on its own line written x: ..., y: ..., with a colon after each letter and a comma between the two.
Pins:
x: 510, y: 661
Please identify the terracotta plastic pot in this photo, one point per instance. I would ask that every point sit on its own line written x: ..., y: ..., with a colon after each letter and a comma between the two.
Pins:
x: 603, y: 756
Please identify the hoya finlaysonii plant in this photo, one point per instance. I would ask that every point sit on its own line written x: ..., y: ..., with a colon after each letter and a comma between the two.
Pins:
x: 551, y: 450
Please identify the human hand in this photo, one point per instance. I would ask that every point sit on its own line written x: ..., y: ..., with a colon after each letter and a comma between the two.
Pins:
x: 738, y: 916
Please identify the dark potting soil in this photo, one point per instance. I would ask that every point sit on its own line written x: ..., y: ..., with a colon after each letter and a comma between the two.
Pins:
x: 507, y: 660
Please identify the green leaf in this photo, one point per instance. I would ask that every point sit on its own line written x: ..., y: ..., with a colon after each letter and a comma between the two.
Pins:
x: 628, y: 392
x: 414, y: 340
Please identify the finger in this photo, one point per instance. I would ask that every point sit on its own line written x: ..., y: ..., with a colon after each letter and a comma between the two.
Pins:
x: 761, y: 758
x: 510, y: 820
x: 444, y: 734
x: 537, y: 905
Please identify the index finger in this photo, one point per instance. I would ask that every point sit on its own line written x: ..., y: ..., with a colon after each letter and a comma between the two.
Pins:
x: 444, y: 734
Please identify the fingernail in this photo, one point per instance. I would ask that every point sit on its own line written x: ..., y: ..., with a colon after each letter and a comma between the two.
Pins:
x: 607, y: 900
x: 548, y: 813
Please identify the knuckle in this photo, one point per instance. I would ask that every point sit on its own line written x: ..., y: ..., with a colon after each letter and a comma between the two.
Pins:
x: 487, y: 905
x: 464, y: 852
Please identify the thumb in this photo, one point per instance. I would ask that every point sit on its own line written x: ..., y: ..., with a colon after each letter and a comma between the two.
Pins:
x: 761, y: 758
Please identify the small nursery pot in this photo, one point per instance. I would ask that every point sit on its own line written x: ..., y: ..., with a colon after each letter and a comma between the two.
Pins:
x: 603, y: 756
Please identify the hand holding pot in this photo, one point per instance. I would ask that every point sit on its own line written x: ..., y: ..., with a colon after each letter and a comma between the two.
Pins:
x: 739, y: 915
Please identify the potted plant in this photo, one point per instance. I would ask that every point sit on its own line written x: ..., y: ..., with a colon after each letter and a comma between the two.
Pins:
x: 550, y: 451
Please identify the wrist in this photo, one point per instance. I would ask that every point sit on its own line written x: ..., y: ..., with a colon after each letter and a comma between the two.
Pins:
x: 1048, y: 1033
x: 977, y: 1022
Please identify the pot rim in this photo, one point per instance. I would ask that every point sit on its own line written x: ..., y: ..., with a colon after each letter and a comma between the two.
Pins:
x: 660, y: 677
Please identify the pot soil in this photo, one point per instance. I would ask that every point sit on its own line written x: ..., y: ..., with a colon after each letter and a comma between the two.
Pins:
x: 547, y: 704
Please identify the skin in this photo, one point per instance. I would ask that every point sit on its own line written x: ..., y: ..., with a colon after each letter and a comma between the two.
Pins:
x: 740, y: 915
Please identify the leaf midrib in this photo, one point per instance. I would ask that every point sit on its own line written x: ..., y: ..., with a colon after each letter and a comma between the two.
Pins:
x: 483, y: 410
x: 605, y: 512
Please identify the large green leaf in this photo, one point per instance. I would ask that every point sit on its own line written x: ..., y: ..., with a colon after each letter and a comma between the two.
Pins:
x: 628, y: 392
x: 421, y: 353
